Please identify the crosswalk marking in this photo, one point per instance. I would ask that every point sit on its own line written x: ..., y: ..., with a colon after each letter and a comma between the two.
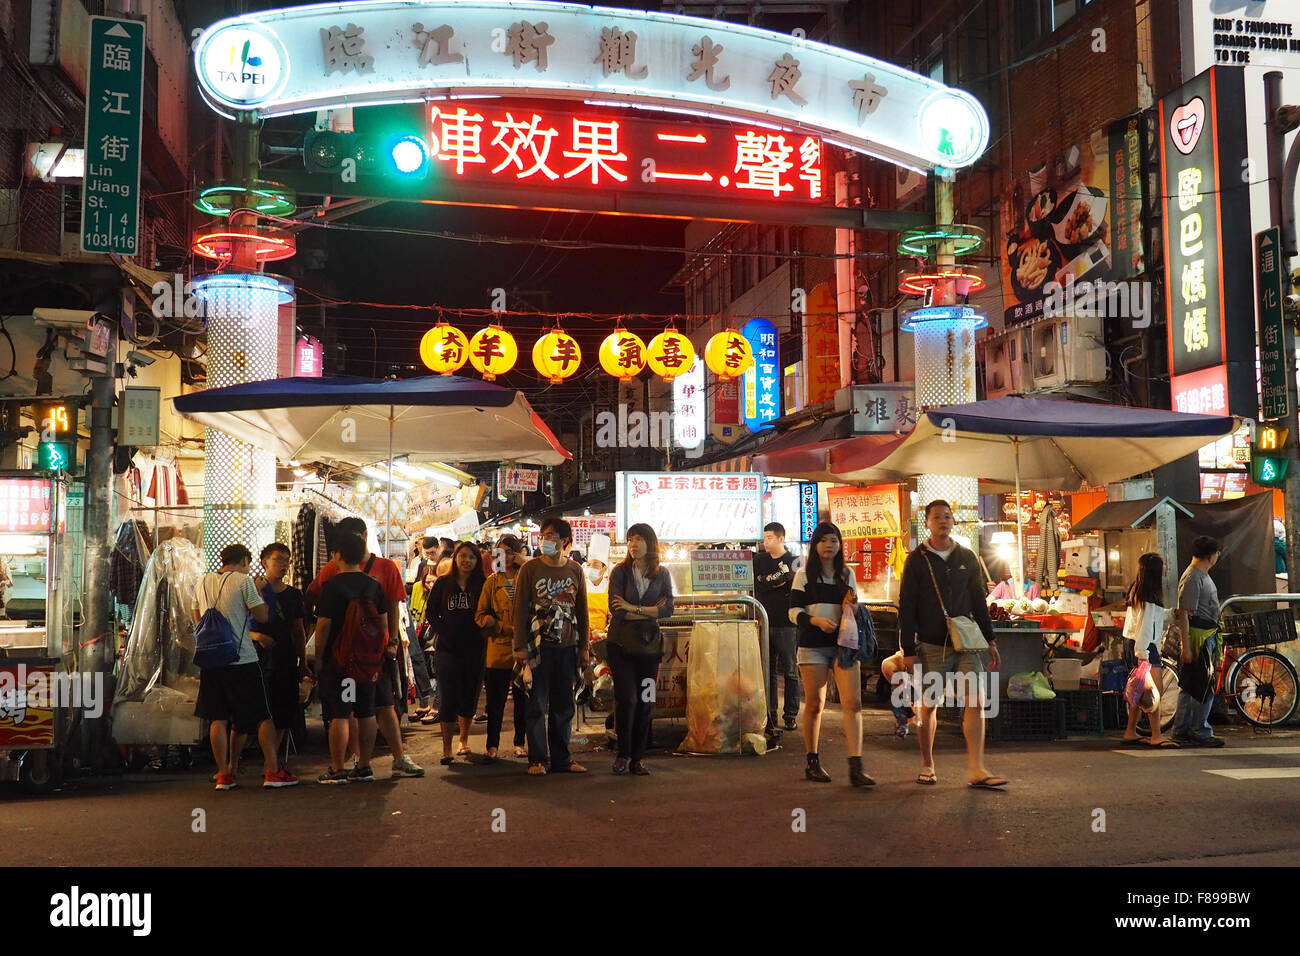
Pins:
x: 1146, y: 751
x: 1258, y: 773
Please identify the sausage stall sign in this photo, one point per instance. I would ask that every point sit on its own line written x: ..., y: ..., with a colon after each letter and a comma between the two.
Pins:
x: 302, y: 59
x: 695, y: 508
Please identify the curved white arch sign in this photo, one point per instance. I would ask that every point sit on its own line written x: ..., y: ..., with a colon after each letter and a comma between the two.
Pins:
x: 364, y: 53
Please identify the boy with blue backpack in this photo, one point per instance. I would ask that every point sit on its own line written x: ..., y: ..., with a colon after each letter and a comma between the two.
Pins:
x: 231, y: 690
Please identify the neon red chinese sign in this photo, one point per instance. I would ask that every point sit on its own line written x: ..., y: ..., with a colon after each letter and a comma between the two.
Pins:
x: 549, y: 144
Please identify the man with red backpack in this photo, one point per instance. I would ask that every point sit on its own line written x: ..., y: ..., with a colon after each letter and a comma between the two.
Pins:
x: 389, y: 578
x: 351, y: 644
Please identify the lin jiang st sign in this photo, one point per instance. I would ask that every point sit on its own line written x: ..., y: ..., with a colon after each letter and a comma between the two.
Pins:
x: 363, y: 53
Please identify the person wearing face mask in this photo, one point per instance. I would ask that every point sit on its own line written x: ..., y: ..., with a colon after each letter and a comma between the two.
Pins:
x: 551, y: 635
x: 597, y: 571
x: 496, y: 617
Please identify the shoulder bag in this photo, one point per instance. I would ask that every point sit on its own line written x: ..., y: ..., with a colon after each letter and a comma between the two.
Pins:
x: 964, y: 633
x: 635, y: 637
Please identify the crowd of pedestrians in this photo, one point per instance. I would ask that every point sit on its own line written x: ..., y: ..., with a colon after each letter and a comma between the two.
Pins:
x: 494, y: 619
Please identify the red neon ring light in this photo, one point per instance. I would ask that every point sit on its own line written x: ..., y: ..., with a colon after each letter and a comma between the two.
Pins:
x: 220, y: 244
x: 918, y: 283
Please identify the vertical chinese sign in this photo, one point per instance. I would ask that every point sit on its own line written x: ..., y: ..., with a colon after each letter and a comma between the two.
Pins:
x: 688, y: 406
x: 1206, y: 211
x: 762, y: 383
x: 871, y: 520
x: 110, y: 197
x: 821, y: 345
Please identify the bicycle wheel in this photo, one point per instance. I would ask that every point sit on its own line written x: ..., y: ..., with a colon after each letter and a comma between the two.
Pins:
x: 1262, y: 685
x: 1169, y: 692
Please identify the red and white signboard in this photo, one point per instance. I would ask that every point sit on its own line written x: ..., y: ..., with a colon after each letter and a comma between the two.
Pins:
x: 699, y: 508
x: 26, y: 505
x: 518, y: 479
x: 587, y: 525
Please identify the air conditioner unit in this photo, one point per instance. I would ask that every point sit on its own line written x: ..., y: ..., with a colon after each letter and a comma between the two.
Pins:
x: 997, y: 366
x: 1046, y: 359
x: 1083, y: 348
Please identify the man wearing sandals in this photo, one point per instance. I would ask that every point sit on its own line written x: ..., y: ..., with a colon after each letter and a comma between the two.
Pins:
x: 551, y: 636
x: 942, y: 579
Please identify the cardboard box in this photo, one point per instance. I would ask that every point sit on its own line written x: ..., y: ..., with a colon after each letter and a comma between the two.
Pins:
x: 1070, y: 603
x: 1080, y: 557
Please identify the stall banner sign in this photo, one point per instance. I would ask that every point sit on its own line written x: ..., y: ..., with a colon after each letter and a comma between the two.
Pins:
x: 874, y: 511
x: 27, y: 698
x: 518, y: 479
x: 718, y: 571
x: 1207, y: 229
x: 884, y: 409
x: 670, y: 687
x: 308, y: 355
x: 1058, y: 220
x: 762, y: 382
x: 27, y: 505
x: 110, y: 196
x: 726, y: 402
x: 585, y: 526
x: 873, y: 556
x: 807, y: 509
x: 435, y: 504
x: 302, y: 59
x: 821, y: 346
x: 1272, y: 328
x: 692, y: 508
x: 688, y: 406
x: 1127, y: 197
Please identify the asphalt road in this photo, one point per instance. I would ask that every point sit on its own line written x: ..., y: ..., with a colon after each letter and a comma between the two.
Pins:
x: 1078, y: 801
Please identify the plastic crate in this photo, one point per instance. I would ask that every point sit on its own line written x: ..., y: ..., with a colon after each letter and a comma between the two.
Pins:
x: 1083, y: 714
x: 1028, y: 720
x: 1114, y: 711
x: 1261, y: 627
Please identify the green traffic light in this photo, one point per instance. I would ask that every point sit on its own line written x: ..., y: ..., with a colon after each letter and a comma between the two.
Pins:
x: 409, y: 155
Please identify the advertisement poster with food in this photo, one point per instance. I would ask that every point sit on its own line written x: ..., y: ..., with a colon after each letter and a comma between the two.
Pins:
x: 1059, y: 224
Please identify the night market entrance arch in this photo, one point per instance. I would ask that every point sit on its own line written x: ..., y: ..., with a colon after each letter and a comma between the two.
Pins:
x: 303, y: 59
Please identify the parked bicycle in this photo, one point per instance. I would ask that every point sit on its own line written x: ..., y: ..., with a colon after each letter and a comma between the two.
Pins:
x: 1251, y: 674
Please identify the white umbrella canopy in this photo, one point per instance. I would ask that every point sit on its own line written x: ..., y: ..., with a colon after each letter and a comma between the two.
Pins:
x: 361, y: 421
x: 1032, y: 443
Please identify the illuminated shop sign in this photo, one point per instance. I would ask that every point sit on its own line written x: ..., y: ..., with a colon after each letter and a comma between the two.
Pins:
x: 1207, y: 246
x: 551, y: 144
x: 302, y: 59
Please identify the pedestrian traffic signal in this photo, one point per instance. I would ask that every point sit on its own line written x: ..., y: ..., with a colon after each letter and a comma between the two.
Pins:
x: 1268, y: 460
x: 398, y: 153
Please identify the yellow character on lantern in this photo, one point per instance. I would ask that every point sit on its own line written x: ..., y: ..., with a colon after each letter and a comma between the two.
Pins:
x: 622, y: 355
x: 728, y: 354
x: 557, y: 356
x: 444, y: 349
x: 671, y: 354
x: 493, y: 352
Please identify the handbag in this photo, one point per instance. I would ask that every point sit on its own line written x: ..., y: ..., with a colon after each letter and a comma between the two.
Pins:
x: 964, y: 633
x: 635, y: 637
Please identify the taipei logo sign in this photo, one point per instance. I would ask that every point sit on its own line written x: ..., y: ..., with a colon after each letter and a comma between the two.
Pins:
x: 243, y: 63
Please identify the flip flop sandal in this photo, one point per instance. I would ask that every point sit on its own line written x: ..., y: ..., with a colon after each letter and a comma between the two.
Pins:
x: 536, y: 770
x: 988, y: 784
x: 1165, y: 745
x: 926, y: 779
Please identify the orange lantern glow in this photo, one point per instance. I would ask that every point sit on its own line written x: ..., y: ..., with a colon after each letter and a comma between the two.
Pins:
x: 557, y: 356
x: 622, y: 355
x: 728, y: 354
x: 670, y: 354
x: 444, y: 348
x: 493, y: 351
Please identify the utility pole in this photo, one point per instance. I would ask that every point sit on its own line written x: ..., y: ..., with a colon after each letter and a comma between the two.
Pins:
x: 1280, y: 121
x: 98, y: 633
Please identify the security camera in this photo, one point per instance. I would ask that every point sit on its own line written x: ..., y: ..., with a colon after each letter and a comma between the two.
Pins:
x: 140, y: 358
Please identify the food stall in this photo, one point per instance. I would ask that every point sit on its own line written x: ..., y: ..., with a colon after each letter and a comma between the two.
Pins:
x: 693, y: 514
x: 33, y: 522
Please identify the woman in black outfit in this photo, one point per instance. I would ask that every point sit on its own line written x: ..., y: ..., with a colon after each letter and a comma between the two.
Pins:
x: 640, y: 593
x: 459, y: 652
